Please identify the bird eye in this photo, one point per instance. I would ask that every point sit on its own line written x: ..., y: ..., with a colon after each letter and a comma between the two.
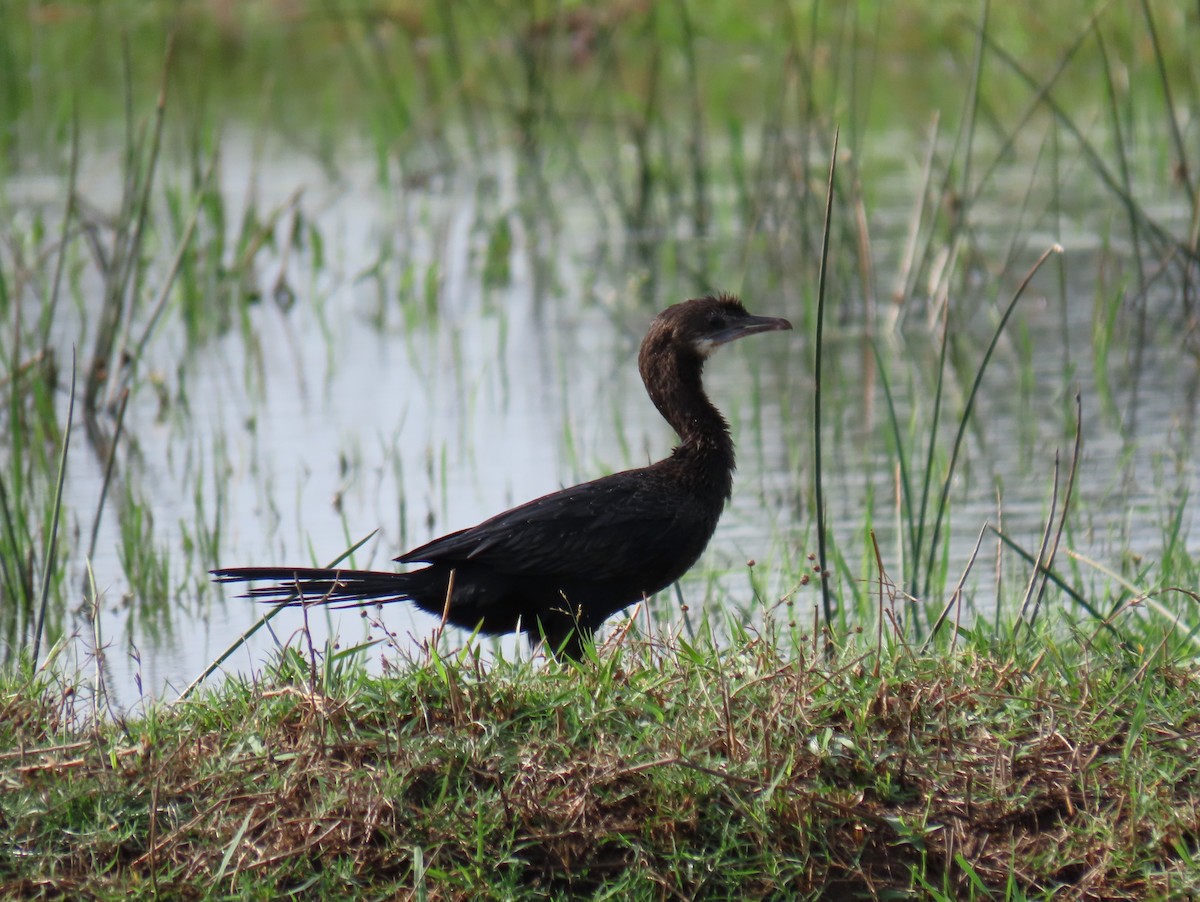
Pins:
x: 716, y: 321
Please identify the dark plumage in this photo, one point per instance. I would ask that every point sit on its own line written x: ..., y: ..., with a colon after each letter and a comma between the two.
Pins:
x: 559, y: 566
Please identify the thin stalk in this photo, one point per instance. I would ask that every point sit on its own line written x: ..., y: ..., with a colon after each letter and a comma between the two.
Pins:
x: 172, y: 272
x: 52, y: 538
x: 965, y: 136
x: 918, y: 539
x: 262, y: 621
x: 131, y: 279
x: 1139, y: 343
x: 109, y: 466
x: 955, y: 601
x: 901, y: 460
x: 973, y: 109
x: 943, y: 502
x: 1184, y: 172
x: 859, y: 122
x: 1066, y: 505
x: 906, y: 272
x: 819, y: 495
x: 1017, y: 239
x: 1075, y: 596
x: 68, y: 215
x: 879, y: 612
x: 15, y: 588
x: 1042, y: 558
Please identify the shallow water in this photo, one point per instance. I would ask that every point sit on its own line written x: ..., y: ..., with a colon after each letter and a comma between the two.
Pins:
x: 336, y: 417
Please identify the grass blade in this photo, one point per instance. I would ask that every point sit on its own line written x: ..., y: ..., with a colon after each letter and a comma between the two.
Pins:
x: 52, y: 538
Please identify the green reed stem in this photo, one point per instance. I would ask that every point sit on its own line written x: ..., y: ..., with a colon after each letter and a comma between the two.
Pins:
x: 52, y: 538
x: 819, y: 495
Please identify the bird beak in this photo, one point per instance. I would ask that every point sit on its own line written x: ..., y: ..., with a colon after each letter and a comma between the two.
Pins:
x: 750, y: 325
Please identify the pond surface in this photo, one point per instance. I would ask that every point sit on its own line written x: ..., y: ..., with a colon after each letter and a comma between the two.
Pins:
x: 343, y: 404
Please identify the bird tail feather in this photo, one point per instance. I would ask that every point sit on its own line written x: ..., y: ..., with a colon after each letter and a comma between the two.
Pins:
x: 318, y: 585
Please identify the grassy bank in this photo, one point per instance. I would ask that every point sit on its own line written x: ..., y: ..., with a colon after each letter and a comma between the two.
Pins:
x: 972, y: 139
x: 1031, y: 769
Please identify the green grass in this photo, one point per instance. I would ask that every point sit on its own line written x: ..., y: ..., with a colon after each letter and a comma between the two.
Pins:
x: 1005, y: 770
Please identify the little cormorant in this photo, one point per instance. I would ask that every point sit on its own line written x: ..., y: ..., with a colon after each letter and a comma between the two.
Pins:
x: 559, y: 566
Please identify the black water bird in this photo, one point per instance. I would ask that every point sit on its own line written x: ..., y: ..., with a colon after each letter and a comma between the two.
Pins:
x: 559, y: 566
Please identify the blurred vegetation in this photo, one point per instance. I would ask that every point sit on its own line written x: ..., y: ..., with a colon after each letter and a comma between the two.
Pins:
x: 316, y: 69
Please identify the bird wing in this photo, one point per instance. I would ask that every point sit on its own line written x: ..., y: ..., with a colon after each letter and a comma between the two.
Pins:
x: 601, y: 528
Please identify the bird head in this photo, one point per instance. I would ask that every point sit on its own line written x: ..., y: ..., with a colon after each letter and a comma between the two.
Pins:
x: 704, y: 324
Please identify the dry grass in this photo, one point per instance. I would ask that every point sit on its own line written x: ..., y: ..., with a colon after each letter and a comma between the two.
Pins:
x: 651, y: 774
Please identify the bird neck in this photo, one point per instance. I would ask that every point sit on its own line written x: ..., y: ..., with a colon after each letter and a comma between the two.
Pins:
x: 675, y: 385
